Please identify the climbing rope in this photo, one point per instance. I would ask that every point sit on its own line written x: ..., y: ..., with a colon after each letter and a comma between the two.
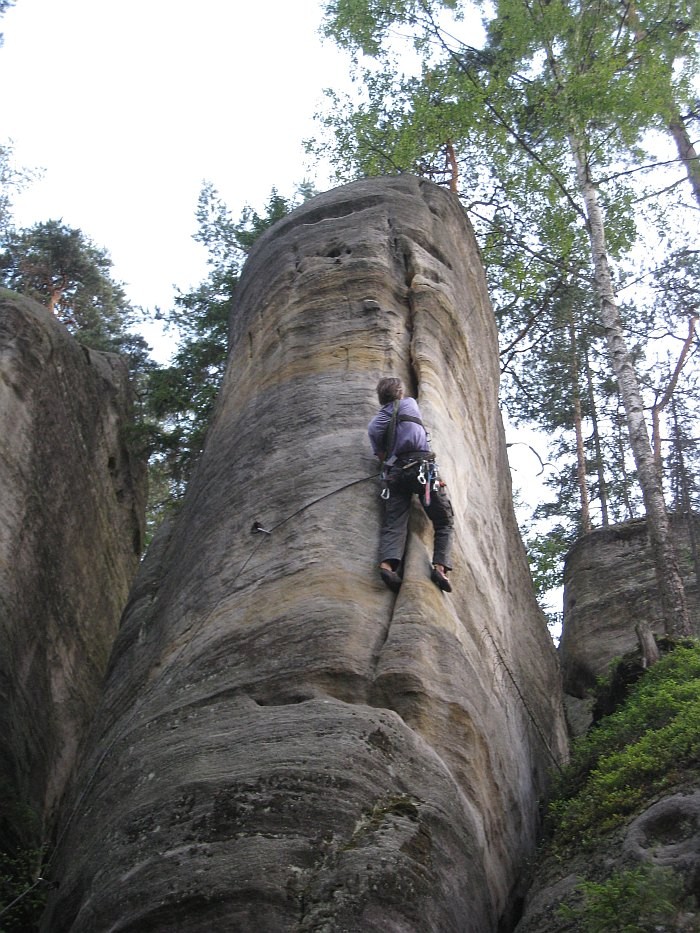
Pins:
x: 531, y: 715
x: 356, y: 482
x: 256, y: 528
x: 8, y: 907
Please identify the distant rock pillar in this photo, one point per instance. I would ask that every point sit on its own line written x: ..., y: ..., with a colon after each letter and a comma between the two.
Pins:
x: 610, y: 587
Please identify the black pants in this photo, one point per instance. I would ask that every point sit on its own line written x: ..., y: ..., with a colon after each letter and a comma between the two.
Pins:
x: 402, y: 485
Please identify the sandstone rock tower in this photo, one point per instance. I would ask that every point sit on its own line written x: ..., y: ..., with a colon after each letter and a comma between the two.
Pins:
x: 71, y: 534
x: 609, y: 587
x: 283, y: 743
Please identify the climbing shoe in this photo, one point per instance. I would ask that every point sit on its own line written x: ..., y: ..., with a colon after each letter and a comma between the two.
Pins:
x: 391, y: 578
x: 440, y: 580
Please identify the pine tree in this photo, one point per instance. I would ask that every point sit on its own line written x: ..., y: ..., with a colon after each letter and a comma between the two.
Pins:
x: 181, y: 396
x: 60, y: 267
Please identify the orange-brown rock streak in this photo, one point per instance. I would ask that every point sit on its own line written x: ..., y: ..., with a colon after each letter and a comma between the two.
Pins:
x: 284, y: 744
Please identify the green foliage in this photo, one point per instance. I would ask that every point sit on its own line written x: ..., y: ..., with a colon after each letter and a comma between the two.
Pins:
x: 22, y: 890
x: 546, y: 552
x: 180, y: 397
x: 546, y: 73
x: 652, y: 742
x: 60, y: 267
x: 365, y: 24
x: 638, y: 900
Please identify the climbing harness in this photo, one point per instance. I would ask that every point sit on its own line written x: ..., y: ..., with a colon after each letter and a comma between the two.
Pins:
x: 428, y: 475
x: 427, y: 467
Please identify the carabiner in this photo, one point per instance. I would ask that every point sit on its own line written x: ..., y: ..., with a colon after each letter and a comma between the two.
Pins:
x: 385, y: 493
x: 421, y: 475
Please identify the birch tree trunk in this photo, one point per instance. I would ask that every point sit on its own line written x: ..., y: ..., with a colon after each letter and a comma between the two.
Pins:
x: 673, y: 603
x: 578, y: 427
x: 686, y: 152
x: 600, y: 466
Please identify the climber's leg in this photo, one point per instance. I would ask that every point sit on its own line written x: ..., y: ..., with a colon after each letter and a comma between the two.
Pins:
x: 392, y: 540
x: 441, y: 514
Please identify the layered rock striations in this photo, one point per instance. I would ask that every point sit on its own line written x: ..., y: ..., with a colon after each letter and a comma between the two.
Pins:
x: 609, y: 588
x: 283, y: 743
x: 70, y: 538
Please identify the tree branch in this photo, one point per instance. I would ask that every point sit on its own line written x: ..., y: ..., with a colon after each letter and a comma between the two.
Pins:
x: 458, y: 61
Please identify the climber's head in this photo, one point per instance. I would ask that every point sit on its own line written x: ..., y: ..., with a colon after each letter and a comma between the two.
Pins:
x: 389, y: 389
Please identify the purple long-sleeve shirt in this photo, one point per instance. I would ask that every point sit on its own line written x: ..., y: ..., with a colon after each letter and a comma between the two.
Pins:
x: 409, y: 435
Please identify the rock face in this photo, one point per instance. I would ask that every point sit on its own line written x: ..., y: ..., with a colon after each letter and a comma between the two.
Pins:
x: 70, y: 538
x: 666, y: 835
x: 283, y: 743
x: 609, y: 587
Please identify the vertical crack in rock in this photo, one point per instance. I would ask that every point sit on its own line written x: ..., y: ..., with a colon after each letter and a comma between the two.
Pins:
x: 401, y: 251
x: 322, y: 754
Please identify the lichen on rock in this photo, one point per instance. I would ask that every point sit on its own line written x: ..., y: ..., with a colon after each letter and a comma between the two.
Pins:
x: 283, y: 743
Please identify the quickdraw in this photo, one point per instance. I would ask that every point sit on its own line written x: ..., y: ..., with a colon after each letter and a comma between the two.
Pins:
x: 423, y: 480
x: 427, y: 476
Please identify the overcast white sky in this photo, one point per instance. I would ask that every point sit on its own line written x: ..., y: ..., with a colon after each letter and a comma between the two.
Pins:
x: 129, y: 106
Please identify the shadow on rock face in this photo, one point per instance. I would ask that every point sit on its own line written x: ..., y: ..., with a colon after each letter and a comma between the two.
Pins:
x: 283, y: 743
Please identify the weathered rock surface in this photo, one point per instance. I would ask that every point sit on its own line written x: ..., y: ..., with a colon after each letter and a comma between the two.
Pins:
x: 609, y: 587
x: 283, y: 743
x: 664, y: 835
x: 70, y: 537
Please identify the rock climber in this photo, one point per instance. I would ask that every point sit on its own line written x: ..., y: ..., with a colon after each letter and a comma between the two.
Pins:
x: 399, y: 440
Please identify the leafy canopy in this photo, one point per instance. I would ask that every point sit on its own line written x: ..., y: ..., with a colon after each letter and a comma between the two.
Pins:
x: 181, y: 395
x: 488, y: 98
x: 60, y: 267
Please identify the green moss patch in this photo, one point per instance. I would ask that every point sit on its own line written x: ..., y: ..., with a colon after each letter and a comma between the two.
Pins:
x: 651, y: 743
